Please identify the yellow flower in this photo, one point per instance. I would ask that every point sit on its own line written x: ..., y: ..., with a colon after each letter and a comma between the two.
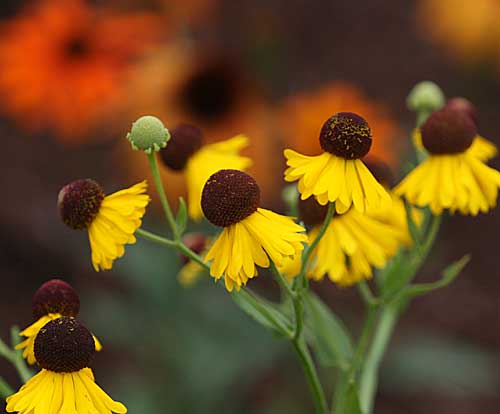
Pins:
x: 54, y: 299
x: 481, y: 148
x: 251, y: 235
x: 338, y: 175
x: 452, y: 177
x: 186, y: 152
x: 65, y: 385
x: 111, y: 220
x: 352, y: 244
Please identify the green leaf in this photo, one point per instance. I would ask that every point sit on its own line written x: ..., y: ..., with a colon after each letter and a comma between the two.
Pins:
x: 449, y: 275
x: 182, y: 216
x: 327, y: 333
x: 264, y: 312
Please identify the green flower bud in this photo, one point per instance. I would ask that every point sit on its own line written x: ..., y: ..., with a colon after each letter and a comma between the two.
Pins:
x: 148, y: 134
x: 425, y: 96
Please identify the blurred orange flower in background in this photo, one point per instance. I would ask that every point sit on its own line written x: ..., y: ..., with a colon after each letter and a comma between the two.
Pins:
x: 467, y: 29
x: 181, y: 84
x: 64, y: 63
x: 302, y: 116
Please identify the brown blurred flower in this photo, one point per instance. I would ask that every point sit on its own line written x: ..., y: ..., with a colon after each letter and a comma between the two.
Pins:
x: 64, y: 62
x: 302, y: 116
x: 467, y: 29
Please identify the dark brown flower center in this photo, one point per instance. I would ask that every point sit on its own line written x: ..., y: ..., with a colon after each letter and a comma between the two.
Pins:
x: 346, y: 135
x: 185, y: 140
x: 64, y: 345
x: 79, y: 203
x: 55, y: 296
x: 229, y: 196
x: 311, y: 212
x: 448, y: 131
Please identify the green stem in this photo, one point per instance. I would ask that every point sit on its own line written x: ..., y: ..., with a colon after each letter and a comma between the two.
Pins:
x: 369, y: 374
x: 163, y: 197
x: 284, y: 284
x: 15, y: 357
x: 364, y: 341
x: 178, y: 245
x: 5, y: 389
x: 320, y: 405
x: 310, y: 248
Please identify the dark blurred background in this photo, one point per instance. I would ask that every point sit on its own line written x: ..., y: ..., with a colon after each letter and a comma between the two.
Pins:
x: 75, y: 74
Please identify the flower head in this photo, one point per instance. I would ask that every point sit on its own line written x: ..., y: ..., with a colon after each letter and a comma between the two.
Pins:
x: 64, y: 349
x: 55, y: 298
x: 338, y: 175
x: 481, y: 148
x: 111, y: 220
x: 251, y: 235
x: 425, y: 96
x: 452, y: 177
x: 186, y: 153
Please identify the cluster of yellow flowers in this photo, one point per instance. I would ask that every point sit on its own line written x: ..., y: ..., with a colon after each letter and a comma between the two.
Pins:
x: 63, y: 348
x: 351, y: 217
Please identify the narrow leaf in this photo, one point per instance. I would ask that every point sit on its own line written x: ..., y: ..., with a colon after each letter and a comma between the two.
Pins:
x: 449, y: 275
x: 262, y: 311
x: 328, y: 335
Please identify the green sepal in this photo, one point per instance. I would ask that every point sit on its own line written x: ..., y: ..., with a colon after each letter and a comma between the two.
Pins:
x: 182, y: 216
x: 326, y: 333
x: 262, y: 311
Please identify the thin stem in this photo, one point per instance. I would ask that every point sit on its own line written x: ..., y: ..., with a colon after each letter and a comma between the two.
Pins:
x: 163, y: 197
x: 320, y: 405
x: 364, y: 341
x: 147, y: 235
x: 282, y: 281
x: 5, y: 389
x: 367, y: 294
x: 15, y: 357
x: 310, y: 248
x: 369, y: 375
x: 178, y: 245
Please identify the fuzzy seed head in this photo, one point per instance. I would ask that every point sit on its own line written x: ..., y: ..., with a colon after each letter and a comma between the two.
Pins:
x: 64, y: 345
x: 55, y: 296
x: 346, y: 135
x: 79, y: 203
x: 229, y: 196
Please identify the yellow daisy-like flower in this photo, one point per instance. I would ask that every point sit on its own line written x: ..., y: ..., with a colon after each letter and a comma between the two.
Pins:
x: 185, y: 152
x: 54, y: 299
x: 251, y: 235
x: 111, y: 220
x: 65, y: 385
x: 481, y: 148
x: 338, y: 175
x: 352, y: 245
x: 451, y: 178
